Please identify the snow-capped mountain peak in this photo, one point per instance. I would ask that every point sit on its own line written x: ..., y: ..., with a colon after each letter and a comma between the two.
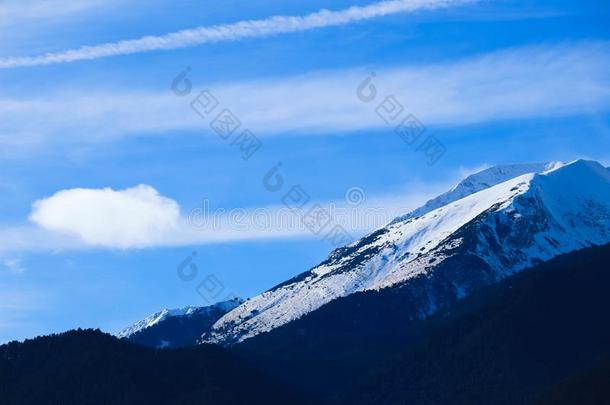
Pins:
x: 480, y: 181
x: 506, y: 226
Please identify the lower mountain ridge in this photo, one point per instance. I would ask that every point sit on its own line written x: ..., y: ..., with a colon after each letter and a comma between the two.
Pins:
x: 177, y: 327
x: 88, y: 367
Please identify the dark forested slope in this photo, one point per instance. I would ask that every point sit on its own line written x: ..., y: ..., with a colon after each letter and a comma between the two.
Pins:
x: 89, y: 367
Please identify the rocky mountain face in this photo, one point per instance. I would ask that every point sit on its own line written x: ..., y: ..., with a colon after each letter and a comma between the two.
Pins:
x: 482, y: 231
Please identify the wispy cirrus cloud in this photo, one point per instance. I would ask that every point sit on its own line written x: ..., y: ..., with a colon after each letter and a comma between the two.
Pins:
x: 14, y: 266
x: 233, y: 32
x: 14, y: 11
x: 520, y: 83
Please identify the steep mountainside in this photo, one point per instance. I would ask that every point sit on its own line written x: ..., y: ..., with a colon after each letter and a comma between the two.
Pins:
x: 512, y: 343
x: 508, y: 343
x: 177, y: 327
x: 444, y: 254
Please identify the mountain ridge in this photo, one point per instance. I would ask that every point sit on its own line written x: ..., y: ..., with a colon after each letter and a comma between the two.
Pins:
x: 503, y: 229
x: 480, y: 181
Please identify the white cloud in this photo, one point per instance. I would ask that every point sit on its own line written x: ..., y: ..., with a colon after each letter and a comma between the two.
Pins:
x: 135, y: 217
x: 517, y: 83
x: 139, y: 217
x: 232, y: 32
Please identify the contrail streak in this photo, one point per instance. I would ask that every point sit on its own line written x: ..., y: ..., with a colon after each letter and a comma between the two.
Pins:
x: 231, y: 32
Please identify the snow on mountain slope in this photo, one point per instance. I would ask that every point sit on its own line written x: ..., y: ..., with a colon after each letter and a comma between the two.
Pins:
x: 480, y: 181
x: 155, y: 320
x: 505, y: 228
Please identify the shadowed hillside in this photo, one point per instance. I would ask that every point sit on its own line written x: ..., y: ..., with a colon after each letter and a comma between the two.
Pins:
x: 89, y: 367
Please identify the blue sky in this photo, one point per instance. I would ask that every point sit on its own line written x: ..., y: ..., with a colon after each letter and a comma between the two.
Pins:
x: 103, y: 167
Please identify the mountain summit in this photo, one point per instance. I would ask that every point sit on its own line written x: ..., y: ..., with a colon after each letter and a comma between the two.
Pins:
x: 490, y: 226
x: 479, y: 181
